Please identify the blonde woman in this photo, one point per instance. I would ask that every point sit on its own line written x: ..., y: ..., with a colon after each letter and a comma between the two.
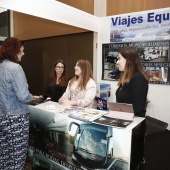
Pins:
x: 81, y: 89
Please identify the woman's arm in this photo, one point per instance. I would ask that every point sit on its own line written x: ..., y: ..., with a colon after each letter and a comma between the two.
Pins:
x: 20, y: 85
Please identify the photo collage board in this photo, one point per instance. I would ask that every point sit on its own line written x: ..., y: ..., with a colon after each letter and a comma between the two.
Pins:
x: 154, y: 56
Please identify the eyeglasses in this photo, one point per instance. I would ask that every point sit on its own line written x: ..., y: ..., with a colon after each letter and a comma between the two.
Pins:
x: 58, y: 67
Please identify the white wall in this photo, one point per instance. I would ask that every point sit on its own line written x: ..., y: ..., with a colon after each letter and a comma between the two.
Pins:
x: 159, y: 95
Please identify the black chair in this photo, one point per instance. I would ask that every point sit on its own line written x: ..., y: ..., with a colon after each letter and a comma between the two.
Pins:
x: 155, y: 134
x: 154, y: 126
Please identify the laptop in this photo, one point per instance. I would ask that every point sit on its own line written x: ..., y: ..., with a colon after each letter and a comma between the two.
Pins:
x: 120, y: 111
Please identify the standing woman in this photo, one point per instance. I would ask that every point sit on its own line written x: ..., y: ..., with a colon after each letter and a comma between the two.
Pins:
x: 133, y: 83
x: 14, y: 113
x: 81, y: 89
x: 57, y: 82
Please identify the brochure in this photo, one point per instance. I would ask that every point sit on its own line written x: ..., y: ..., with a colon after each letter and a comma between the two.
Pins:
x: 114, y: 122
x: 84, y: 114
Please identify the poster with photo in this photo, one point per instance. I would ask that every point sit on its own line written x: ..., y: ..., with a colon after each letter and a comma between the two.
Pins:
x: 59, y: 142
x: 154, y: 55
x: 111, y: 121
x: 101, y: 103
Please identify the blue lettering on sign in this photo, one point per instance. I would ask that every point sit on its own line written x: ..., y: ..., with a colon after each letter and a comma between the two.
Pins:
x: 158, y: 17
x: 151, y: 17
x: 127, y: 21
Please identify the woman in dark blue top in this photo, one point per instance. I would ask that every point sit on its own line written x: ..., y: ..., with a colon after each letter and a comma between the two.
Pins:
x: 133, y: 83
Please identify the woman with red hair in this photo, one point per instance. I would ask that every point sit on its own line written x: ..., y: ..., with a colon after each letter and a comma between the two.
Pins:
x: 14, y: 113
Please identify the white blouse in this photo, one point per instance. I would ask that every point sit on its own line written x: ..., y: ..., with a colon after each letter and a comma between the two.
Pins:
x: 84, y: 98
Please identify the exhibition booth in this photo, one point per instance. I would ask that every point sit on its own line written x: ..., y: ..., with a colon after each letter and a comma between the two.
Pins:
x: 149, y: 32
x: 52, y: 143
x: 137, y: 23
x: 59, y: 141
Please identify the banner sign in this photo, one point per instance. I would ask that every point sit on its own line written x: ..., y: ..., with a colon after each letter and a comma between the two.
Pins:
x: 148, y: 26
x: 149, y: 34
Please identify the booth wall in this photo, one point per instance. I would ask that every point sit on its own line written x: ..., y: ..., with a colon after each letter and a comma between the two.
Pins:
x: 4, y: 24
x: 121, y: 6
x: 28, y: 27
x: 158, y: 94
x: 40, y: 55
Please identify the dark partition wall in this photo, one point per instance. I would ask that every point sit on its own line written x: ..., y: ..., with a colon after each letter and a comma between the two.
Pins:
x: 5, y: 24
x: 41, y: 53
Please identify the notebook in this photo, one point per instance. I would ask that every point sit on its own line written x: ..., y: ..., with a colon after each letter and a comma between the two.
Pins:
x: 120, y: 111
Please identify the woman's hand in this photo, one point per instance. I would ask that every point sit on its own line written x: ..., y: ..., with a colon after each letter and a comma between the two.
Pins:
x: 37, y: 97
x: 64, y: 101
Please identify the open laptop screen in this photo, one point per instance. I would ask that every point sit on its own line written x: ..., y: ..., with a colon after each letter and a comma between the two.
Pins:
x: 121, y: 110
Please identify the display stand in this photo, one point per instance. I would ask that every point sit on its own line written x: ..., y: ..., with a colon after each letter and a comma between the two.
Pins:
x: 59, y: 142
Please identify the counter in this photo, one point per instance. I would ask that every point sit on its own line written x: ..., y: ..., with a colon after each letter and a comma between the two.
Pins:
x: 59, y: 142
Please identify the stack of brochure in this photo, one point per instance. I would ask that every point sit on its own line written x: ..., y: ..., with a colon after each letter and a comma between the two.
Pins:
x: 84, y: 114
x: 114, y: 122
x: 120, y: 115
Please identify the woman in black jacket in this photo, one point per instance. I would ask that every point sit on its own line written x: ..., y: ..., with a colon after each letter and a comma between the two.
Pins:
x: 57, y: 82
x: 133, y: 83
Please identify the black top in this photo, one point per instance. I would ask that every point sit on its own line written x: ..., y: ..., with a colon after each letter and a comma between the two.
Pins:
x: 134, y: 93
x: 55, y: 92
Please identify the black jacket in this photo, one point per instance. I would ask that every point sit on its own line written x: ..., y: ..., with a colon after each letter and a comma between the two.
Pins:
x: 134, y: 93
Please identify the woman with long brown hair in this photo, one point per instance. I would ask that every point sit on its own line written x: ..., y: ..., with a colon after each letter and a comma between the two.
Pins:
x: 133, y: 83
x: 57, y: 82
x: 81, y: 89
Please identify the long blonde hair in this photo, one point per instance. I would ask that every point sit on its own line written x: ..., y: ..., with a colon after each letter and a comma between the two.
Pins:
x: 86, y: 74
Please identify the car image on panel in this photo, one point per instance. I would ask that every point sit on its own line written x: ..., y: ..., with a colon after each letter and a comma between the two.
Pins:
x: 151, y: 56
x: 114, y: 74
x: 111, y: 57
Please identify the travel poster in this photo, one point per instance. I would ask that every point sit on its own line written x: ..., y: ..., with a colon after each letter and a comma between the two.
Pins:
x: 154, y: 55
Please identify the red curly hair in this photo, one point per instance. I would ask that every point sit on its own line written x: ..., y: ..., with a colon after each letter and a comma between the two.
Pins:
x: 10, y: 48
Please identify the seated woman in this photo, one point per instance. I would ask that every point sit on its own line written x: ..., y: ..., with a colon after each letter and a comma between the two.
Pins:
x: 133, y: 83
x: 81, y: 89
x: 57, y: 82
